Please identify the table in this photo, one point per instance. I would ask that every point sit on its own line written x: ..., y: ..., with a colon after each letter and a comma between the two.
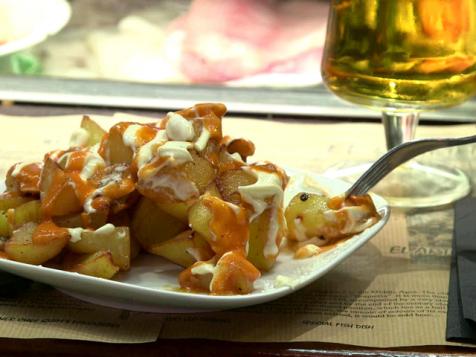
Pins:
x: 211, y: 347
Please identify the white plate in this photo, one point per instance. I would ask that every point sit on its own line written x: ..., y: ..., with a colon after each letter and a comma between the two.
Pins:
x: 24, y: 23
x: 151, y: 283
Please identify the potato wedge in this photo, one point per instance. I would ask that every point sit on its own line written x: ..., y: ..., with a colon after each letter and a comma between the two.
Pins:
x: 58, y: 197
x: 305, y: 216
x: 178, y: 210
x: 14, y: 218
x: 12, y: 200
x: 92, y: 220
x: 230, y: 180
x: 93, y: 129
x: 224, y: 225
x: 99, y: 264
x: 260, y: 234
x: 5, y: 227
x: 25, y: 247
x: 69, y: 221
x: 150, y: 225
x: 199, y: 217
x: 185, y: 249
x: 24, y: 178
x: 109, y: 239
x: 198, y: 276
x: 123, y: 219
x: 200, y: 171
x: 183, y: 183
x: 27, y: 212
x: 233, y: 275
x: 116, y: 151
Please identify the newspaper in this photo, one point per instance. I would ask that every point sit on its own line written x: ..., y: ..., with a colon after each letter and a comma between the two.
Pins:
x: 392, y: 292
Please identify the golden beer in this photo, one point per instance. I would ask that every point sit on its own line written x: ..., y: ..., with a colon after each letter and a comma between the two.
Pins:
x: 408, y: 54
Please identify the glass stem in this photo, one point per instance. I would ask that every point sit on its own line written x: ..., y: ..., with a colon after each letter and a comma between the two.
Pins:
x: 399, y: 127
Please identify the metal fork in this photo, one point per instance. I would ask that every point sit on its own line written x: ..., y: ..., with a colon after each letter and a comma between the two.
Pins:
x: 397, y: 156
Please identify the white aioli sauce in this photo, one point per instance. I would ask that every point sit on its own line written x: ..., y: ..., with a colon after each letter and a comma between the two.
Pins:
x: 147, y: 151
x: 130, y: 135
x: 75, y: 234
x: 92, y: 162
x: 181, y: 188
x: 88, y: 207
x: 178, y: 128
x: 203, y: 268
x: 177, y: 151
x: 202, y: 140
x: 268, y: 185
x: 358, y: 219
x: 108, y: 228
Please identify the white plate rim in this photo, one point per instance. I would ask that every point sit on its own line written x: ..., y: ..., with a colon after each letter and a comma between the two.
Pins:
x: 44, y: 28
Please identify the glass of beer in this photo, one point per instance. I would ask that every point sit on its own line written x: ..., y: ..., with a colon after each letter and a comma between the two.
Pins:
x: 402, y: 57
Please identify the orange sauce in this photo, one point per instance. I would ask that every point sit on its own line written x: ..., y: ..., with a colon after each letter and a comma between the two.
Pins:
x: 212, y: 152
x: 82, y: 188
x: 76, y: 160
x: 47, y: 231
x: 236, y: 276
x: 58, y: 181
x: 209, y: 113
x: 121, y: 127
x: 230, y: 229
x: 102, y: 151
x: 338, y: 202
x: 101, y: 203
x: 119, y: 189
x: 213, y: 124
x: 195, y: 283
x: 200, y: 110
x: 145, y: 134
x: 335, y: 202
x: 241, y: 146
x: 272, y: 169
x: 28, y: 178
x: 153, y: 167
x: 54, y: 155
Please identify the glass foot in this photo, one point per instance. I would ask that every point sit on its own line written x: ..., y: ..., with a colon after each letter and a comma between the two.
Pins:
x: 413, y: 184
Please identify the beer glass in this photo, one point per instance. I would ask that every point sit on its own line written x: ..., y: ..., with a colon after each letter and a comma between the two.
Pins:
x: 402, y: 57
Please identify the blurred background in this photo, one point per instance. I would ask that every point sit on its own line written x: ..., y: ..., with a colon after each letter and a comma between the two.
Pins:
x: 233, y: 42
x: 260, y: 57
